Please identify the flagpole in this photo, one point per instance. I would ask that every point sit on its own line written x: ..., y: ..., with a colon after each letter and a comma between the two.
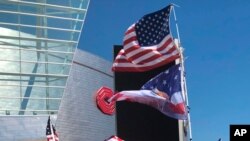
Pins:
x: 184, y: 85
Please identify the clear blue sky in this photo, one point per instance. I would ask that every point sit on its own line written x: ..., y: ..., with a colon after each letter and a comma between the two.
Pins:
x: 215, y: 35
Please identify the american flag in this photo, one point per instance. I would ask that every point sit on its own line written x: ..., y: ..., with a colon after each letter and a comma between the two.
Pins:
x: 147, y: 44
x: 51, y: 132
x: 113, y: 138
x: 163, y: 92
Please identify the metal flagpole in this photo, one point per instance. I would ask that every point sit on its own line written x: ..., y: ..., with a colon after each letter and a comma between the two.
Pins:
x: 184, y: 85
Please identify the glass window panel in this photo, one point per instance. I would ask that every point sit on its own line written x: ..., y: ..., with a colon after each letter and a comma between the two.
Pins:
x: 54, y: 46
x: 36, y: 104
x: 43, y: 56
x: 44, y: 68
x: 28, y: 20
x: 78, y: 15
x: 54, y: 104
x: 29, y: 67
x: 26, y: 80
x: 28, y: 9
x: 56, y: 92
x: 58, y: 13
x: 30, y: 1
x: 76, y: 25
x: 76, y: 4
x: 9, y: 54
x: 34, y: 82
x: 8, y: 7
x: 61, y: 2
x: 61, y: 35
x: 9, y: 43
x: 85, y: 4
x: 29, y: 56
x: 66, y: 47
x: 27, y: 44
x: 66, y: 13
x: 33, y: 56
x: 8, y: 18
x: 58, y: 69
x: 8, y: 66
x: 76, y: 37
x: 9, y: 80
x: 60, y: 57
x: 2, y: 112
x: 6, y: 28
x: 27, y: 32
x: 29, y: 91
x: 9, y: 91
x: 38, y: 92
x: 59, y: 23
x: 9, y: 104
x: 40, y: 104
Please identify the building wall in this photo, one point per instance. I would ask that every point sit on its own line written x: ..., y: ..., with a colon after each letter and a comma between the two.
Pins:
x: 37, y: 42
x: 23, y: 128
x: 78, y: 117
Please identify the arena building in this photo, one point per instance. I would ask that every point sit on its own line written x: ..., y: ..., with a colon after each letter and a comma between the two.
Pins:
x: 43, y: 73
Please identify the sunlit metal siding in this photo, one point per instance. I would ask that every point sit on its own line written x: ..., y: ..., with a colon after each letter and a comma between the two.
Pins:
x: 78, y: 116
x: 23, y: 128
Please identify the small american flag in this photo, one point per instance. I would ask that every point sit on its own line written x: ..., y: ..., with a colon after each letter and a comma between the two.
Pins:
x: 147, y: 44
x: 114, y: 138
x: 51, y: 132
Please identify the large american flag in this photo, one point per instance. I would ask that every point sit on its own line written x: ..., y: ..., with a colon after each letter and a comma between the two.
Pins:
x: 147, y: 44
x: 163, y: 92
x: 51, y: 132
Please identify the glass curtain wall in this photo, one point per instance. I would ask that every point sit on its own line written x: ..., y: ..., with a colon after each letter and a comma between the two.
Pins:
x: 37, y: 43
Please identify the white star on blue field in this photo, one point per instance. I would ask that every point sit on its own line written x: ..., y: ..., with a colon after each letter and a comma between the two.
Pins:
x: 215, y: 35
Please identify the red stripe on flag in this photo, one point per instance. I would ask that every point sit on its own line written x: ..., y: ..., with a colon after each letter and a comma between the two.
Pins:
x: 130, y: 30
x: 121, y: 61
x: 171, y: 49
x: 169, y: 41
x: 141, y: 53
x: 133, y: 48
x: 144, y: 68
x: 129, y: 40
x: 150, y: 59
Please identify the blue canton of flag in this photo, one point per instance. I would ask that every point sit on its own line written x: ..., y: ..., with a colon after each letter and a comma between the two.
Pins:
x: 168, y: 85
x: 151, y: 29
x: 168, y: 81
